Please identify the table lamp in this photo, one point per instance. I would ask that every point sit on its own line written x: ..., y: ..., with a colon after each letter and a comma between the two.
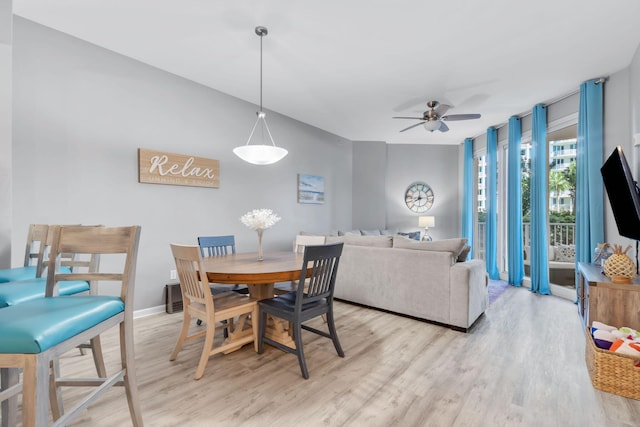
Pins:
x: 426, y: 222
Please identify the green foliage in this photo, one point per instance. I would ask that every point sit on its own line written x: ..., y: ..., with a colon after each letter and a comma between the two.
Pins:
x: 562, y: 217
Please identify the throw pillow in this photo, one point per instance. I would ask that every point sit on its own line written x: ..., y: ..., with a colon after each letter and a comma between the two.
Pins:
x: 334, y: 239
x: 448, y: 245
x: 414, y: 235
x: 566, y: 253
x: 464, y: 253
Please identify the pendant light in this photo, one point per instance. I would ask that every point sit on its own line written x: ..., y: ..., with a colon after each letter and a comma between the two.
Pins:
x: 260, y: 154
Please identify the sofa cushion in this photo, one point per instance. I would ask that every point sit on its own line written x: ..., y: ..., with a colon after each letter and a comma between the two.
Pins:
x: 447, y: 245
x: 375, y: 232
x: 344, y: 233
x: 413, y: 235
x: 374, y: 241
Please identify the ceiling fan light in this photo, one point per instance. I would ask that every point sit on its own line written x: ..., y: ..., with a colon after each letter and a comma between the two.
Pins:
x: 260, y: 154
x: 432, y: 125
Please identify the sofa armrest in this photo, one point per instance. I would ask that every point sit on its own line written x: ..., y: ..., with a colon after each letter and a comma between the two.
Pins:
x: 469, y: 295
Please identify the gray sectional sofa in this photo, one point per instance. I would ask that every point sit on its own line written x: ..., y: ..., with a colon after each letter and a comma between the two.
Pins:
x: 418, y: 279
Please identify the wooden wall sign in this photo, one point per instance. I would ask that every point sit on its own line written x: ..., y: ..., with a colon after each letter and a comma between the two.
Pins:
x: 157, y: 167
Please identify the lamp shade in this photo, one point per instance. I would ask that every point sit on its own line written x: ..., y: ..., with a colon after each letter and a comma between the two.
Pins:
x: 260, y: 154
x: 426, y: 221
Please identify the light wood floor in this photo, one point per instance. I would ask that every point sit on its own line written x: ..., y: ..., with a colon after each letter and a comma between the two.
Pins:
x: 522, y: 365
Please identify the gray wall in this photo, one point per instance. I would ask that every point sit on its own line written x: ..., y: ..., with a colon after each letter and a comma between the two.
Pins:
x: 5, y: 132
x: 617, y: 131
x: 80, y: 114
x: 437, y: 166
x: 369, y: 175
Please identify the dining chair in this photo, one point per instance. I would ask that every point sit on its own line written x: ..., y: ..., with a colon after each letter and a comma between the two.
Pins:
x: 200, y: 303
x: 35, y: 333
x: 299, y: 244
x: 33, y: 257
x: 306, y: 303
x: 217, y: 246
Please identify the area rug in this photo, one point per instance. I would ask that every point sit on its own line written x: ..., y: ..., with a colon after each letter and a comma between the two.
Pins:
x: 496, y: 288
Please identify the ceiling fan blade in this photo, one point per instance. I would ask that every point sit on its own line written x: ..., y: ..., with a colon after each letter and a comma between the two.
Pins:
x: 443, y: 127
x: 413, y: 118
x: 411, y: 127
x: 442, y: 109
x: 454, y: 117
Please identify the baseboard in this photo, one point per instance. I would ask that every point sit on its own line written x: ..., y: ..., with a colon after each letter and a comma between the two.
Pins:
x: 432, y: 322
x: 148, y: 311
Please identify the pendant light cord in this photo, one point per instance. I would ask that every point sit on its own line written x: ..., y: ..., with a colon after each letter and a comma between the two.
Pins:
x: 261, y: 36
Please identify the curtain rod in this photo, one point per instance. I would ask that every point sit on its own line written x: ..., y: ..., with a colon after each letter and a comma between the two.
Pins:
x: 551, y: 102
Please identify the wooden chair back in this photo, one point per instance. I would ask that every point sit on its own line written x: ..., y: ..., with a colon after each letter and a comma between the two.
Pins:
x: 73, y: 243
x: 217, y: 245
x: 303, y: 240
x: 36, y: 243
x: 323, y: 261
x: 194, y: 285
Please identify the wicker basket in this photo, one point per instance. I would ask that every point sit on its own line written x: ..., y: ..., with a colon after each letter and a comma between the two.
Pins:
x: 612, y: 372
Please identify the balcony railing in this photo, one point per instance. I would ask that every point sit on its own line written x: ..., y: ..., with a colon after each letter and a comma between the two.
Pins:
x: 558, y: 234
x: 560, y: 272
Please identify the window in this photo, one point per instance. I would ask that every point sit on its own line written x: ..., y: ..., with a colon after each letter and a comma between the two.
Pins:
x: 561, y: 204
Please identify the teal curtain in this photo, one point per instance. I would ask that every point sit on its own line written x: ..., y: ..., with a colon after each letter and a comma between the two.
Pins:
x: 491, y: 227
x: 515, y: 261
x: 589, y: 187
x: 468, y: 194
x: 539, y: 246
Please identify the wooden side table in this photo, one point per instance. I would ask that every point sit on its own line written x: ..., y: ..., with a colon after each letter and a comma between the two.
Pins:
x: 615, y: 304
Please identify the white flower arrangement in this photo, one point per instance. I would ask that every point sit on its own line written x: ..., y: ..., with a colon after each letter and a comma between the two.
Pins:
x: 260, y: 219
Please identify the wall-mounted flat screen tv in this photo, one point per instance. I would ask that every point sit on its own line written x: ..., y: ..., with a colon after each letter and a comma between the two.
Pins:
x: 623, y: 193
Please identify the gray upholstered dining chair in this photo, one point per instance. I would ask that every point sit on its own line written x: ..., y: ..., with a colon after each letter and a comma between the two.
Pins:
x: 306, y: 303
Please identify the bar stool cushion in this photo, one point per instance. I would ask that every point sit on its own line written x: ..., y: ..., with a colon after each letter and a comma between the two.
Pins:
x: 17, y: 273
x: 12, y: 293
x: 23, y: 273
x: 37, y: 325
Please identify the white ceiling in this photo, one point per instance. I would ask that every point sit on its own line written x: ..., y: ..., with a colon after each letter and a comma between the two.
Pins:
x: 348, y: 66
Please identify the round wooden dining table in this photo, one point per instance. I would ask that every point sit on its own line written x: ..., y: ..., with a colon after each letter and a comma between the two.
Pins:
x: 259, y: 276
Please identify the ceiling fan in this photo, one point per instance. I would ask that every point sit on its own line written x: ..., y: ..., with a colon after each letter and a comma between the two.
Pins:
x: 434, y: 119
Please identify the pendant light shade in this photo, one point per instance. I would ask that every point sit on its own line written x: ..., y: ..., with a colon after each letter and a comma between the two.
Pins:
x: 260, y: 154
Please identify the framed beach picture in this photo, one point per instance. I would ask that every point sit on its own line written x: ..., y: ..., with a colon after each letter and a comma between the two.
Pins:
x: 310, y: 189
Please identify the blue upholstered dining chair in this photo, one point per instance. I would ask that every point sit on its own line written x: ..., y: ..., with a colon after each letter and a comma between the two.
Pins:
x: 34, y: 253
x: 36, y: 332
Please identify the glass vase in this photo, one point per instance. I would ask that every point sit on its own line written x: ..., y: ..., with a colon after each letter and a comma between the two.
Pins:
x: 260, y: 231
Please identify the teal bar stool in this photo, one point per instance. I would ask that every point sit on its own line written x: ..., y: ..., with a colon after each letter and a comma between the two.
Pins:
x: 36, y: 332
x: 36, y: 238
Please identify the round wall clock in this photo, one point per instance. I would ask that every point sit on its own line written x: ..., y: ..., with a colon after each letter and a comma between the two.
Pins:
x: 419, y: 197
